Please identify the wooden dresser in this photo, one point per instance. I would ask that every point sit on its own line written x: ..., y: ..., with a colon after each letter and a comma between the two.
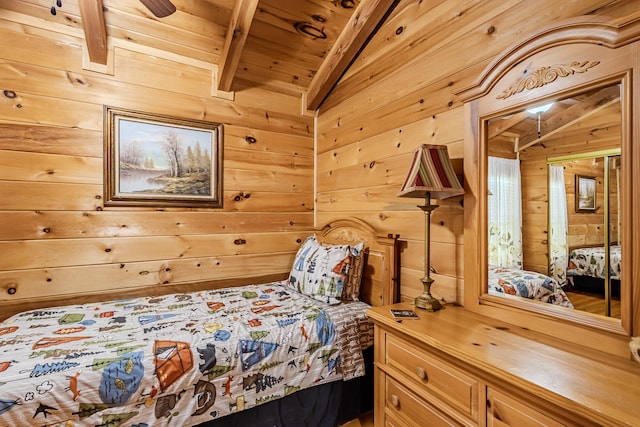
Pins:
x: 454, y: 367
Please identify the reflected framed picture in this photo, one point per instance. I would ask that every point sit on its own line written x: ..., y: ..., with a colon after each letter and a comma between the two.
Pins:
x: 585, y: 193
x: 160, y: 161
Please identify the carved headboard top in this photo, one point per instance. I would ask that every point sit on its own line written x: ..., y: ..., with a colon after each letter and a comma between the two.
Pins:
x: 379, y: 277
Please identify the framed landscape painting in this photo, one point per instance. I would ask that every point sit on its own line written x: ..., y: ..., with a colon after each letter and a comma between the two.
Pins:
x: 585, y: 193
x: 159, y: 161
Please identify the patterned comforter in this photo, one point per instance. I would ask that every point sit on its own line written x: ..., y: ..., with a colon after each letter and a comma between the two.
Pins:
x: 176, y: 360
x: 590, y: 262
x: 527, y: 284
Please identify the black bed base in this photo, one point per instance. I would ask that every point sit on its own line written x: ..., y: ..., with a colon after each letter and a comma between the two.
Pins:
x: 326, y: 405
x: 595, y: 285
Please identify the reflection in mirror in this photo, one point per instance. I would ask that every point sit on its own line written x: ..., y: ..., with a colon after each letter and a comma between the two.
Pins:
x: 553, y: 205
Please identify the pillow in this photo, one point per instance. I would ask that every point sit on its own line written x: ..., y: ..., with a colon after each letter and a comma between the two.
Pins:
x: 320, y: 271
x: 351, y: 289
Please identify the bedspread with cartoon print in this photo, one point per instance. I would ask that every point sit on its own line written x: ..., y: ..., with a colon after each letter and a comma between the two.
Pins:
x: 591, y: 262
x: 177, y: 360
x: 527, y: 284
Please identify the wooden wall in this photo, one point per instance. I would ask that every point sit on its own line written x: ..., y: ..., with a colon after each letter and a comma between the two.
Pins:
x: 56, y: 238
x: 584, y: 229
x: 399, y: 94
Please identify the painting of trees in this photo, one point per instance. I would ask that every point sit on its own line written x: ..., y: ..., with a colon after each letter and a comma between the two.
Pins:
x: 162, y: 159
x: 173, y: 149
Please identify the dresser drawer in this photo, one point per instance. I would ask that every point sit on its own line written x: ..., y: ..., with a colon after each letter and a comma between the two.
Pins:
x: 434, y: 376
x: 504, y: 410
x: 402, y: 404
x: 391, y: 419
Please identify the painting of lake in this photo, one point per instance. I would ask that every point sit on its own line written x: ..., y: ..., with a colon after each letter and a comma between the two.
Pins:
x: 156, y: 160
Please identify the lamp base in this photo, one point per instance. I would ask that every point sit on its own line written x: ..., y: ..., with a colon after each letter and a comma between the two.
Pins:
x: 427, y: 302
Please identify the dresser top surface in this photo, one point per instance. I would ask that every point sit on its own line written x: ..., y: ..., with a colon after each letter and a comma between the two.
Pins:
x: 563, y: 373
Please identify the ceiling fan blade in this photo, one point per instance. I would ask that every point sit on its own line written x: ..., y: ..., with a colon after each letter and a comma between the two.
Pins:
x: 159, y: 8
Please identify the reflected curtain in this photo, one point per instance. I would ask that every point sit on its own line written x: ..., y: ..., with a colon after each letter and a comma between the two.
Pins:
x: 504, y: 211
x: 558, y: 226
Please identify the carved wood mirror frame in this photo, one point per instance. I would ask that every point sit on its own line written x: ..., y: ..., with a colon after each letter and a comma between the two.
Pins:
x: 560, y: 60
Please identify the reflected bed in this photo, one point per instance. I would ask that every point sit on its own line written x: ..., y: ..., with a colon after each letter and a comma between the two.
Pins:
x: 526, y: 284
x: 589, y: 261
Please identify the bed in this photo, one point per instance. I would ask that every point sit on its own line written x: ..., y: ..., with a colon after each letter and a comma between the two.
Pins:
x: 589, y: 261
x: 526, y: 284
x: 212, y: 357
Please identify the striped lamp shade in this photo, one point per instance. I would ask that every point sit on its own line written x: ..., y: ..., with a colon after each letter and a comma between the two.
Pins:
x: 431, y: 172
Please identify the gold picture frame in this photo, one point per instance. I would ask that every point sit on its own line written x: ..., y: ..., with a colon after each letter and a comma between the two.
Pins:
x: 161, y: 161
x: 585, y: 193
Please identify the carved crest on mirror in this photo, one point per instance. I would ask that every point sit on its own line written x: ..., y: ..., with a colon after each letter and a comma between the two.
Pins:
x: 546, y: 75
x: 571, y: 161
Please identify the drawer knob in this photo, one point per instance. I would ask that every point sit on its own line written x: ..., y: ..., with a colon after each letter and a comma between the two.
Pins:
x: 421, y: 373
x: 394, y: 400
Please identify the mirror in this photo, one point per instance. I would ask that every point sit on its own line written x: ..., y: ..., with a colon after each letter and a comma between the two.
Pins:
x: 587, y: 69
x: 553, y: 202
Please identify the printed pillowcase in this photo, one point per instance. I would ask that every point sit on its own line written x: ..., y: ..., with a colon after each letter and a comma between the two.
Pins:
x: 351, y: 290
x: 320, y: 271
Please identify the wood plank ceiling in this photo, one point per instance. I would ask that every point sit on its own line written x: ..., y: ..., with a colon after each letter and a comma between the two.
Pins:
x: 590, y: 118
x: 299, y: 47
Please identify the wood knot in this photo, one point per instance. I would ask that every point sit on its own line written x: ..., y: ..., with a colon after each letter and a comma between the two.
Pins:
x: 240, y: 196
x: 310, y: 30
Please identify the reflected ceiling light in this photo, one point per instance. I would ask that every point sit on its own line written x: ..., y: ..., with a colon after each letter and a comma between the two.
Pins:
x: 540, y: 109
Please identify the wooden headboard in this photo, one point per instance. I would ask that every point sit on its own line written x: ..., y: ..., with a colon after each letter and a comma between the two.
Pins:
x: 380, y: 273
x: 379, y: 277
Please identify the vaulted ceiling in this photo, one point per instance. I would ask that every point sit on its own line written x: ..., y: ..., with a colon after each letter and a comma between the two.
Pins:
x: 590, y: 121
x: 299, y: 47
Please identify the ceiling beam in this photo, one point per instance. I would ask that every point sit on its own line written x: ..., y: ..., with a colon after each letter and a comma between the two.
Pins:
x: 95, y: 33
x: 499, y: 125
x: 237, y: 34
x: 361, y: 26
